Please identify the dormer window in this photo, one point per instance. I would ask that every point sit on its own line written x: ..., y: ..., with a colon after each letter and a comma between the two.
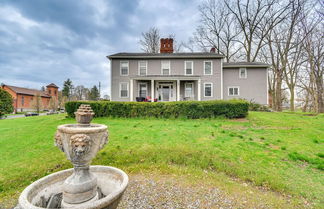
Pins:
x: 242, y: 73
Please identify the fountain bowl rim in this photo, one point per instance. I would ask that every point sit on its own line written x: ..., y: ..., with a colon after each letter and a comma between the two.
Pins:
x: 24, y: 202
x: 78, y: 128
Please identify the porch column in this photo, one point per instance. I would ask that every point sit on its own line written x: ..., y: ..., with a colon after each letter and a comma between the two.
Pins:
x: 152, y: 90
x: 178, y: 90
x: 199, y: 90
x: 131, y: 96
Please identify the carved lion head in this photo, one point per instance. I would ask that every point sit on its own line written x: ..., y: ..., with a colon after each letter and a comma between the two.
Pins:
x: 80, y: 144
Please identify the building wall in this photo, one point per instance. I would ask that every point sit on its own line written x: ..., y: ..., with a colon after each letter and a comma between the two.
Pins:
x: 177, y: 69
x: 28, y: 104
x: 254, y: 87
x: 52, y: 91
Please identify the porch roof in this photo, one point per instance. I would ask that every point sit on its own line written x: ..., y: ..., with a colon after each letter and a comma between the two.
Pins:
x: 167, y: 77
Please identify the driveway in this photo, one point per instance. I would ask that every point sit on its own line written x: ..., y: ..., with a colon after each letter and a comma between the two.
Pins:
x: 20, y: 116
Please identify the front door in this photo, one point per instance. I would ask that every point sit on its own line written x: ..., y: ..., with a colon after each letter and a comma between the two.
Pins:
x: 166, y: 91
x: 142, y: 90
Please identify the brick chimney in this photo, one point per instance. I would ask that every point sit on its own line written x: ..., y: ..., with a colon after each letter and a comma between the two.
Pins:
x: 166, y: 45
x: 213, y: 50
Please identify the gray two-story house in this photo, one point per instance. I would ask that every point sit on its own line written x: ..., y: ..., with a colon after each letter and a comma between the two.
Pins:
x: 168, y: 76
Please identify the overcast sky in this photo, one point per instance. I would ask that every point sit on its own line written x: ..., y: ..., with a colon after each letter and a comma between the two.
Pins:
x: 48, y: 41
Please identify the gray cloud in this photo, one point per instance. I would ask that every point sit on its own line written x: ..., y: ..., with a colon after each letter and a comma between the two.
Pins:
x: 49, y: 41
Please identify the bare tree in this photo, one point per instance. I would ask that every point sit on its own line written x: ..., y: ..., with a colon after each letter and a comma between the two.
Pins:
x: 283, y: 43
x: 255, y: 19
x: 61, y: 100
x: 81, y: 93
x: 53, y: 104
x: 217, y: 29
x: 314, y: 47
x: 37, y: 103
x: 150, y: 40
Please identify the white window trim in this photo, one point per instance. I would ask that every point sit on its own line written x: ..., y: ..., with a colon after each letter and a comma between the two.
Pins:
x: 238, y: 91
x: 120, y: 84
x: 138, y: 87
x: 212, y: 92
x: 139, y: 67
x: 192, y: 89
x: 192, y: 70
x: 169, y: 66
x: 240, y: 73
x: 211, y: 67
x: 120, y: 68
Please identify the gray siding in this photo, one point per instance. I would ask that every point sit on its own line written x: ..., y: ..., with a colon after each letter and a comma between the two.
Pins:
x: 254, y: 87
x: 177, y: 68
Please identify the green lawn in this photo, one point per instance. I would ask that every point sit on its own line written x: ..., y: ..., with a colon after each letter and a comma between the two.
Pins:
x: 282, y: 152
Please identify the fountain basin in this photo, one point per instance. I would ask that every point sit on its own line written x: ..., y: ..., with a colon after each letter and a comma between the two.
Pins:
x: 111, y: 182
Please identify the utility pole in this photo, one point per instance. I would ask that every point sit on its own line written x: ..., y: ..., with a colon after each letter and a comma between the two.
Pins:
x: 99, y: 89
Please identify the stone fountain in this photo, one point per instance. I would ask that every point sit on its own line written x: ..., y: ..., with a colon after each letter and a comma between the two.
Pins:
x: 84, y: 186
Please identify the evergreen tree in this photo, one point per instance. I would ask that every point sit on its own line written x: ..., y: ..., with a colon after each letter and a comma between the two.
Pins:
x: 67, y: 88
x: 5, y: 102
x: 94, y: 93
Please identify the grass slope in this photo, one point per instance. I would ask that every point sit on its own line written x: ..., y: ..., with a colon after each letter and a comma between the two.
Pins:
x: 279, y: 151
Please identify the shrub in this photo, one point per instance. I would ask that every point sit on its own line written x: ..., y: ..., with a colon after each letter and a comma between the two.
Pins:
x: 184, y: 109
x: 258, y: 107
x: 5, y: 103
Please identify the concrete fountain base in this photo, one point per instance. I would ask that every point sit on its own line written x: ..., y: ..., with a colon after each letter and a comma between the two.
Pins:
x: 47, y: 191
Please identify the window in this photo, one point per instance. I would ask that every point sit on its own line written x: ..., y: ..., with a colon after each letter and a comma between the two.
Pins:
x: 188, y: 67
x: 243, y: 73
x: 142, y: 90
x: 233, y: 91
x: 189, y: 90
x: 165, y: 65
x: 142, y: 67
x: 208, y: 66
x: 208, y: 89
x: 123, y: 90
x: 49, y: 91
x: 124, y: 68
x: 55, y: 92
x: 22, y: 100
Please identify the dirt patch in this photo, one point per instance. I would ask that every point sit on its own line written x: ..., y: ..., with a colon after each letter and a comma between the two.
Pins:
x: 240, y: 120
x: 234, y: 127
x: 168, y: 191
x: 311, y: 114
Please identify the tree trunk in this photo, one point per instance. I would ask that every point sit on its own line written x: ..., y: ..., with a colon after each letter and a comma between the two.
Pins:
x: 292, y: 100
x: 320, y: 102
x: 306, y: 102
x: 278, y: 96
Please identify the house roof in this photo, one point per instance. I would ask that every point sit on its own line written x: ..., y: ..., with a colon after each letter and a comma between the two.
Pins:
x: 127, y: 55
x: 52, y: 85
x: 245, y: 64
x: 26, y: 91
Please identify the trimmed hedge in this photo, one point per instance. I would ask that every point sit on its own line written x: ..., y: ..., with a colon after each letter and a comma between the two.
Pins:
x: 185, y: 109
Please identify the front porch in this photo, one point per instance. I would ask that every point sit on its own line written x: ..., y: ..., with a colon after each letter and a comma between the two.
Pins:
x: 165, y: 89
